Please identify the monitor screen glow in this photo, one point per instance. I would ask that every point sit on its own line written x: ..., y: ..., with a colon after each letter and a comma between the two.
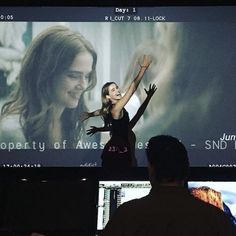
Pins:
x: 112, y: 194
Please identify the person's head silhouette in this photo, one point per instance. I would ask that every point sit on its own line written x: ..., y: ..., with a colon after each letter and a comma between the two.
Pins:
x: 168, y: 160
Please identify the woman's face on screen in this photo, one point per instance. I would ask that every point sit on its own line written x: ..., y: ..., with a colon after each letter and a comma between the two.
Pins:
x: 68, y: 88
x: 114, y: 93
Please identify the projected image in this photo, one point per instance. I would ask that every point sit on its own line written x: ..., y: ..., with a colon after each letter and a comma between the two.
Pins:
x: 51, y: 79
x: 219, y: 194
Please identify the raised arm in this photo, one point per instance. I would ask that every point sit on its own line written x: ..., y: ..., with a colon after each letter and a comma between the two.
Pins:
x: 132, y: 88
x: 151, y: 90
x: 85, y: 115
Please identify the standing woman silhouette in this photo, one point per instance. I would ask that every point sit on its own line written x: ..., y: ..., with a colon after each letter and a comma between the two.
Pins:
x: 117, y: 151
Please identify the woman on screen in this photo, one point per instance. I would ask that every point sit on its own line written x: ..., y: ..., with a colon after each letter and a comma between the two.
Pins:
x: 117, y: 152
x: 132, y: 137
x: 58, y: 68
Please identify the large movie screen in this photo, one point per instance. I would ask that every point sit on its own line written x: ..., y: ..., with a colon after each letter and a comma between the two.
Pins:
x: 89, y: 87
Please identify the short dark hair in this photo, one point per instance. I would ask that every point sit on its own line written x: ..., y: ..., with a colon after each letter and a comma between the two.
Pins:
x: 169, y: 158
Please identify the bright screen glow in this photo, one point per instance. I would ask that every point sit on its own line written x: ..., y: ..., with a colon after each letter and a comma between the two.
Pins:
x: 111, y: 194
x: 193, y: 54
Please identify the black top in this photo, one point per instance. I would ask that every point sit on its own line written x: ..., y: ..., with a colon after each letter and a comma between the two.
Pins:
x: 120, y: 127
x: 169, y: 211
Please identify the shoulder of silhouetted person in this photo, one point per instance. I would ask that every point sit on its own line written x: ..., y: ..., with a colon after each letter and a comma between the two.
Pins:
x: 37, y: 234
x: 169, y: 209
x: 173, y: 212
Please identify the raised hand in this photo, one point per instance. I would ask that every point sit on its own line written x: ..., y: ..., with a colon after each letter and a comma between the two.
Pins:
x: 145, y: 61
x: 92, y: 130
x: 151, y: 90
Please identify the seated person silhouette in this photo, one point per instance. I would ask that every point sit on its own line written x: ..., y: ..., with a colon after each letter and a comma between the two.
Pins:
x: 169, y: 208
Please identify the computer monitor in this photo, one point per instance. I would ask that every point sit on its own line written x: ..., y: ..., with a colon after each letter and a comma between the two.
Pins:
x: 111, y: 194
x: 221, y: 194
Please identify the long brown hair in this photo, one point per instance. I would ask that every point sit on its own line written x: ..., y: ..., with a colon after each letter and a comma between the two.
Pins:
x: 49, y: 55
x: 106, y: 104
